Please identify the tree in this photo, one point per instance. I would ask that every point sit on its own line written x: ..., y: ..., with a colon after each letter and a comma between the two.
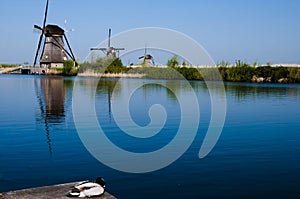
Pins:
x: 239, y: 63
x: 173, y: 61
x: 116, y: 66
x: 223, y: 64
x: 184, y: 63
x: 68, y: 66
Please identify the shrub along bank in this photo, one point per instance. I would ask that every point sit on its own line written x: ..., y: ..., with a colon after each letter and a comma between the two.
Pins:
x: 240, y: 72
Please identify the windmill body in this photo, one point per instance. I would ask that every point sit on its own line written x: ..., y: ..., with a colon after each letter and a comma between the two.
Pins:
x: 147, y: 58
x: 54, y: 52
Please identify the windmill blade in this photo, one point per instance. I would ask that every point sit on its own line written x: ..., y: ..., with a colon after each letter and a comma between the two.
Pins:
x: 62, y: 47
x: 38, y: 49
x: 66, y: 27
x: 46, y: 12
x: 98, y: 49
x: 37, y: 27
x: 37, y: 31
x: 41, y: 37
x: 145, y: 49
x: 109, y: 35
x: 73, y: 57
x: 69, y: 30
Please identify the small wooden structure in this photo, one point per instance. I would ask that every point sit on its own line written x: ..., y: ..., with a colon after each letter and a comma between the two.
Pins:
x: 47, y: 192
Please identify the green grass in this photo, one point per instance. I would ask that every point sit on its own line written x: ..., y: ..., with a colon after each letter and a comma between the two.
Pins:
x: 8, y: 65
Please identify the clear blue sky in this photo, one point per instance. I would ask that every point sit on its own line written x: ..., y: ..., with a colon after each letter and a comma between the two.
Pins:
x: 250, y: 30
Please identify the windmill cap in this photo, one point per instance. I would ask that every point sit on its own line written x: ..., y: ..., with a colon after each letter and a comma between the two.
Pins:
x: 54, y: 30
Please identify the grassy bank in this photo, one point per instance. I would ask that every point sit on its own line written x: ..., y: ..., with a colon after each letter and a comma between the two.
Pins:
x: 233, y: 74
x: 260, y: 74
x: 8, y: 65
x: 240, y: 72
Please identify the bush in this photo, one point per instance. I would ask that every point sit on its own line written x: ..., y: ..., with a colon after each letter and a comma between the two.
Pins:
x: 116, y: 66
x: 173, y: 61
x: 68, y: 66
x: 157, y: 73
x: 275, y: 73
x: 294, y: 74
x: 280, y: 72
x: 264, y: 71
x: 223, y: 72
x: 239, y: 73
x: 189, y: 73
x: 105, y: 65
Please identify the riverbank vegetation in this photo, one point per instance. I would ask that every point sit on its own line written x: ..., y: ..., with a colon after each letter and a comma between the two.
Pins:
x: 69, y: 69
x: 243, y: 72
x: 104, y: 65
x: 239, y: 72
x: 8, y: 65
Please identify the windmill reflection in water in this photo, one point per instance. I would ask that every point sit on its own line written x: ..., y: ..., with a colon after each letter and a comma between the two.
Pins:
x: 51, y: 94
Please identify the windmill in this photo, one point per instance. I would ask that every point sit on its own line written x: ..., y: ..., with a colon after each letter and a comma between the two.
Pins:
x: 147, y: 58
x: 54, y: 53
x: 109, y: 51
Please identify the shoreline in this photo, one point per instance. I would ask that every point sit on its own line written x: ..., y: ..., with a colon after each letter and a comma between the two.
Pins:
x: 163, y: 73
x: 9, y: 70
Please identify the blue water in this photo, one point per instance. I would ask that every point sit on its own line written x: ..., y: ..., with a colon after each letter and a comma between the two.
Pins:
x: 257, y: 155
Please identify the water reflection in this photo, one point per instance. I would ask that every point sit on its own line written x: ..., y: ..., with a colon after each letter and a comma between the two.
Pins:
x: 106, y: 87
x: 51, y: 95
x: 54, y: 96
x: 246, y: 90
x: 112, y: 95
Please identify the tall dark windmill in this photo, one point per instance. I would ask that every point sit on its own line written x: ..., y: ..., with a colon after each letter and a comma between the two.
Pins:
x: 109, y: 51
x: 147, y: 58
x: 54, y: 52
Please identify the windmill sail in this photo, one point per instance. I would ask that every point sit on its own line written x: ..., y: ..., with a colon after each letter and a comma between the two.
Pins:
x: 109, y: 51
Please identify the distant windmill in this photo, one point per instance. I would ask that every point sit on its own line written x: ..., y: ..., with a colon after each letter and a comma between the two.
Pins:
x: 54, y: 53
x: 109, y: 51
x: 147, y: 58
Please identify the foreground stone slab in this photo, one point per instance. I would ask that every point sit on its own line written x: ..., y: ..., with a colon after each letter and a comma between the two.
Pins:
x: 47, y: 192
